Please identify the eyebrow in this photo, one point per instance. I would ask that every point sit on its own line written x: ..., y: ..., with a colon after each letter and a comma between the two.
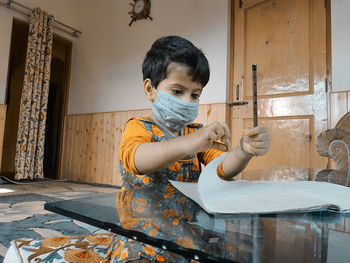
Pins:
x: 183, y: 87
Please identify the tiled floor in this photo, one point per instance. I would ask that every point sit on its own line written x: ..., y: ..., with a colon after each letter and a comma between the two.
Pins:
x: 62, y: 189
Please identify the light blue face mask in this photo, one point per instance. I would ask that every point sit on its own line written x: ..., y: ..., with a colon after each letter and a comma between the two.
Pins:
x: 174, y: 112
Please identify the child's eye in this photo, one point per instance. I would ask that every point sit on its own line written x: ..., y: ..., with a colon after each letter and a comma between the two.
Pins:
x: 195, y: 96
x: 177, y: 92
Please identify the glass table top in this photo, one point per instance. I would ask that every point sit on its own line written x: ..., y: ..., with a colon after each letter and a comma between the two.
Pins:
x: 176, y: 223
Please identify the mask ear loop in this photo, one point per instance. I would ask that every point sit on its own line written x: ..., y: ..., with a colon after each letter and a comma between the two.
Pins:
x: 155, y: 90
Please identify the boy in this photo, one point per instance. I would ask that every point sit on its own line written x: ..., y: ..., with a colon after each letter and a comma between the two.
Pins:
x: 167, y: 145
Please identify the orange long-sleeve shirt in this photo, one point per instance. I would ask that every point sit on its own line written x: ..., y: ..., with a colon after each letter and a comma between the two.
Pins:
x: 135, y: 133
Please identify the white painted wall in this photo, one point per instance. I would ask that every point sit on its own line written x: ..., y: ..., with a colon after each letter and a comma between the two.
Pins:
x: 340, y: 45
x: 5, y: 39
x: 106, y: 64
x: 63, y: 10
x: 107, y: 60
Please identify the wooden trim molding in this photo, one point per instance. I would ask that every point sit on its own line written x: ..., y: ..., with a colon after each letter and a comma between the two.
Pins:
x: 3, y: 108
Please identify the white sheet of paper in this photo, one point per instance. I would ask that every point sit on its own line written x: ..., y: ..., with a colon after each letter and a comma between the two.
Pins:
x: 260, y: 197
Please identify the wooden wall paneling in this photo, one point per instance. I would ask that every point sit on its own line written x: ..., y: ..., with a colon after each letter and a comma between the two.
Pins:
x: 228, y: 116
x: 86, y: 146
x: 109, y: 150
x: 108, y: 140
x: 100, y: 171
x: 70, y: 147
x: 74, y: 146
x: 121, y: 120
x: 117, y: 131
x: 108, y: 153
x: 92, y: 149
x: 202, y: 114
x: 91, y: 142
x: 99, y: 175
x: 73, y: 161
x: 104, y: 148
x: 339, y: 106
x: 92, y: 146
x: 82, y: 147
x: 78, y: 146
x: 209, y: 113
x: 96, y: 159
x: 216, y: 112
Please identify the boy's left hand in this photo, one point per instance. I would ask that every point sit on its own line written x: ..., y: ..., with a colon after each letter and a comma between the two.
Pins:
x: 256, y: 140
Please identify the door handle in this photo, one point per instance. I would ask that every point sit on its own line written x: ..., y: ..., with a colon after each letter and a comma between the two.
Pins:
x: 238, y: 103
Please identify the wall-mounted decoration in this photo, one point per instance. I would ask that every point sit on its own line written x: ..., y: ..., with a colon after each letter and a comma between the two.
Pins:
x: 140, y: 10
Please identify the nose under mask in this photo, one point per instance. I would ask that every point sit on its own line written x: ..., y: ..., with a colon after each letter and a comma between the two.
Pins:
x: 174, y: 112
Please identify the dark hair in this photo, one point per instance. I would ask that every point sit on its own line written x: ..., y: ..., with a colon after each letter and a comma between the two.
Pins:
x: 167, y: 50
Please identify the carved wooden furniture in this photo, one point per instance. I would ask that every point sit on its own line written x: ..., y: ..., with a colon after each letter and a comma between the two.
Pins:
x: 335, y: 144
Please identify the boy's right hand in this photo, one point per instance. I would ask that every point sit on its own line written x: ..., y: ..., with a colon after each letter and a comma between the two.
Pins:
x: 208, y: 137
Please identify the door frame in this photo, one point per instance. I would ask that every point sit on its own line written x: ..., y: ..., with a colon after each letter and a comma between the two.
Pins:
x: 65, y: 101
x: 231, y: 49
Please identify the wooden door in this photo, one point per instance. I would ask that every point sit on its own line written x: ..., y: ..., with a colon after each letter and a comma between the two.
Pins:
x: 287, y: 41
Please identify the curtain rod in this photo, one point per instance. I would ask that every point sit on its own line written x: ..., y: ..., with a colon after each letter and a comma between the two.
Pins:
x: 10, y: 3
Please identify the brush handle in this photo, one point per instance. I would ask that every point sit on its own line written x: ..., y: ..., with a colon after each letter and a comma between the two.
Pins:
x: 255, y: 95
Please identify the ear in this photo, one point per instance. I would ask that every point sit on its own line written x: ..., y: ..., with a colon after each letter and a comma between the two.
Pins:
x: 149, y: 90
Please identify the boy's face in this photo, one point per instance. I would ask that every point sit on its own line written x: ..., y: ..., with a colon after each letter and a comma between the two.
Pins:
x: 177, y: 83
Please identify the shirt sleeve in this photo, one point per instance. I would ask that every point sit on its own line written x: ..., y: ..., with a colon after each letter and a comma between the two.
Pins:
x: 135, y: 133
x: 209, y: 155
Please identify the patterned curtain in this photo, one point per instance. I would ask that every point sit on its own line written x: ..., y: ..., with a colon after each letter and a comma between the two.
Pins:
x: 32, y: 116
